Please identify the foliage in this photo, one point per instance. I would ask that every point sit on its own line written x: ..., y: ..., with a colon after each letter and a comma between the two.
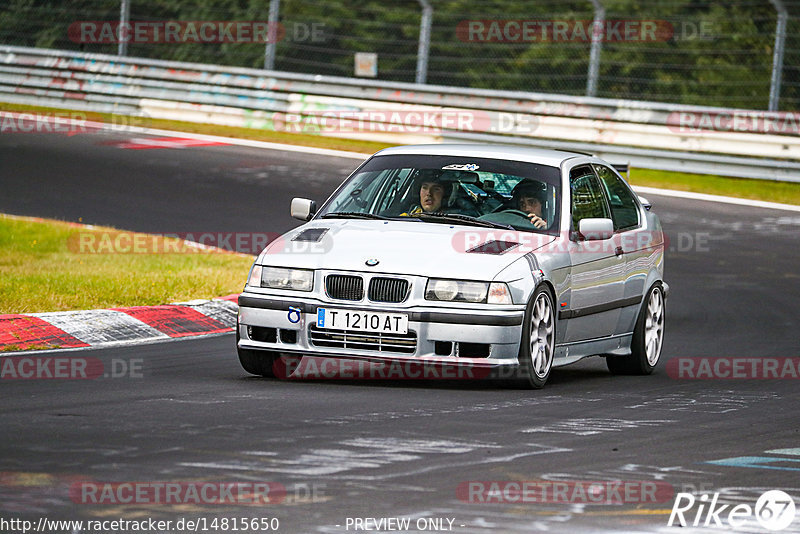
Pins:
x: 719, y: 53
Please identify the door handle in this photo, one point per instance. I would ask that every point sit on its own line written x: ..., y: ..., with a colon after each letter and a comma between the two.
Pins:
x: 618, y: 251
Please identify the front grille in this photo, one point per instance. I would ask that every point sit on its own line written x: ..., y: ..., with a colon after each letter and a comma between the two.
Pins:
x: 375, y: 341
x: 344, y: 287
x: 388, y: 289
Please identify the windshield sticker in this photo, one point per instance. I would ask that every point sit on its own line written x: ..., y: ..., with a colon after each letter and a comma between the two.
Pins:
x: 459, y: 167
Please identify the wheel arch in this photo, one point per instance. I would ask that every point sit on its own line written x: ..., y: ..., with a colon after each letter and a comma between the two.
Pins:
x: 550, y: 288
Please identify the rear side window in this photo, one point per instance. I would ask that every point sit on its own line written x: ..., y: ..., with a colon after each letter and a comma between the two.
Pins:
x: 624, y: 209
x: 588, y: 200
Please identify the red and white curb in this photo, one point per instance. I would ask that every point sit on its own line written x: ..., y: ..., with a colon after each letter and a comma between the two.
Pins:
x: 135, y: 324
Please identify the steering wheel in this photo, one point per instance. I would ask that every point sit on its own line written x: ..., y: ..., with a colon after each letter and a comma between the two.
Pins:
x: 526, y: 216
x: 519, y: 213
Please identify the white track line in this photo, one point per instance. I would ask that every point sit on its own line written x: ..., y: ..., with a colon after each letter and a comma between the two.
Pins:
x: 355, y: 155
x: 359, y: 156
x: 716, y: 198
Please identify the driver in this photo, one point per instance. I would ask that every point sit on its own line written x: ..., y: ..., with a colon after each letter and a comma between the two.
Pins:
x: 530, y: 198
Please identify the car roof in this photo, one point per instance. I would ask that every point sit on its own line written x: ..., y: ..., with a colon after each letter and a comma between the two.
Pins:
x: 512, y: 153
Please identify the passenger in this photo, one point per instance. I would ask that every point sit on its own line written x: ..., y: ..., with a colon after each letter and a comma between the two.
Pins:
x: 432, y: 195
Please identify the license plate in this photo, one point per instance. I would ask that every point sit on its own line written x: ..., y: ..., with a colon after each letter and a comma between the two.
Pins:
x: 392, y: 323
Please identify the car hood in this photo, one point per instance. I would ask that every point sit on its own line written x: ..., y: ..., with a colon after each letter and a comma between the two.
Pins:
x: 401, y: 247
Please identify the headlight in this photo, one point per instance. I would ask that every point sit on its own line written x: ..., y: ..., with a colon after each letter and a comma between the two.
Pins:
x: 280, y: 278
x: 462, y: 291
x: 456, y: 290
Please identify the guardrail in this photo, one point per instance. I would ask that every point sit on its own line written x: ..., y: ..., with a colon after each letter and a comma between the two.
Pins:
x: 648, y: 135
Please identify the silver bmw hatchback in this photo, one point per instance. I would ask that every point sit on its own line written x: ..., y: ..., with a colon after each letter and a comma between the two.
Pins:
x: 494, y: 258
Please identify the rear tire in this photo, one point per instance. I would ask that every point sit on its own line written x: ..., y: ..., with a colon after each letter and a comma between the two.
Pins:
x: 537, y: 348
x: 256, y: 362
x: 648, y: 338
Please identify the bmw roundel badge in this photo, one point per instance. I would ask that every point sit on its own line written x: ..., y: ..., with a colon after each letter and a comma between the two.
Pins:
x: 372, y: 262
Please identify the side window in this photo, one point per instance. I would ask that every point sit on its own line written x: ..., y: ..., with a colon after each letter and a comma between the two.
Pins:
x: 588, y: 200
x: 624, y: 209
x: 391, y: 198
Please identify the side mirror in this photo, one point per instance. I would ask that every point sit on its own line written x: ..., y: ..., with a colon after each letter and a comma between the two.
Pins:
x: 303, y: 209
x: 646, y: 203
x: 596, y: 229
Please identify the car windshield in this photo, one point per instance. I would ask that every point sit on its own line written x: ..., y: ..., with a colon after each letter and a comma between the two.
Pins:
x: 451, y: 190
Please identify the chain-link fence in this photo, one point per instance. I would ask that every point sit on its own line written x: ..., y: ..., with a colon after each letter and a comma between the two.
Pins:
x: 682, y: 51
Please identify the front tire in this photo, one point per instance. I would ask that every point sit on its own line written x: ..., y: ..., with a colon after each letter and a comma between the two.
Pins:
x: 538, y: 339
x: 648, y: 338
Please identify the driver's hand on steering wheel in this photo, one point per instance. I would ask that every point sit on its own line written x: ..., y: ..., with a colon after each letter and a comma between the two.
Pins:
x: 537, y: 221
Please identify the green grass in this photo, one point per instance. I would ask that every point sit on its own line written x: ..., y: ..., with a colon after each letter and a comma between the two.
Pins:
x: 43, y: 268
x: 784, y: 192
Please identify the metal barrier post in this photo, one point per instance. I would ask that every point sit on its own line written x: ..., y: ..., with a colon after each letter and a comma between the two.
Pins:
x: 124, y: 18
x: 597, y: 44
x: 424, y: 41
x: 777, y: 55
x: 272, y: 34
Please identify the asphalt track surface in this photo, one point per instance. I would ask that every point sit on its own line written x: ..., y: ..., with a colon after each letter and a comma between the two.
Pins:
x: 384, y: 449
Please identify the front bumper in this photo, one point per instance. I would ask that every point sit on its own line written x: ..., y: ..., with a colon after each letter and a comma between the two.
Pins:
x: 496, y: 333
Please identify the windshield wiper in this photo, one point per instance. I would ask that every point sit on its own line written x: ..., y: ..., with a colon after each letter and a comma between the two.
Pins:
x: 353, y: 215
x: 454, y: 217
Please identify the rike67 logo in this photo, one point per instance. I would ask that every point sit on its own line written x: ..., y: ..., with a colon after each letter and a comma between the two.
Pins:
x: 774, y: 510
